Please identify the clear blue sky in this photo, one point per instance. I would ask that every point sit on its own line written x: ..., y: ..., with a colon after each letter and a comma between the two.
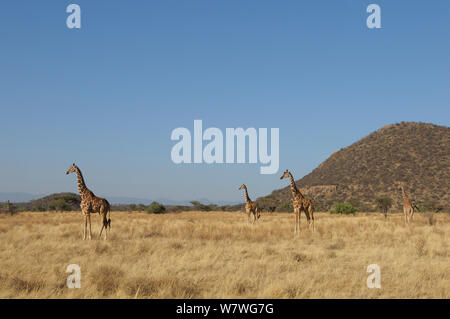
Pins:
x: 107, y: 96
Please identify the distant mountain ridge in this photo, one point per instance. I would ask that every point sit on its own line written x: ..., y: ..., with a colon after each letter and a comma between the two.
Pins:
x: 417, y: 154
x: 165, y: 201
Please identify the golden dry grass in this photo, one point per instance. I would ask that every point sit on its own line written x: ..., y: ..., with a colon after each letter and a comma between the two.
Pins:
x: 218, y: 255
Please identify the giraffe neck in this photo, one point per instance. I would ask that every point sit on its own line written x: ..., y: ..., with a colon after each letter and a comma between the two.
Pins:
x: 404, y: 194
x: 247, y: 199
x: 405, y: 198
x: 294, y: 188
x: 82, y: 188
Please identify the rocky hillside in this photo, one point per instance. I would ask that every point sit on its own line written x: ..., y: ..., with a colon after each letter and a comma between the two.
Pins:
x: 416, y: 154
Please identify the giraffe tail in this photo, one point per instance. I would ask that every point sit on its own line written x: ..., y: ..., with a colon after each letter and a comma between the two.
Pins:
x: 108, y: 221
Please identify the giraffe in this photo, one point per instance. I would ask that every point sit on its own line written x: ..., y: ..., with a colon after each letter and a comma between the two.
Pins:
x: 300, y: 203
x: 91, y: 204
x: 408, y: 207
x: 250, y: 207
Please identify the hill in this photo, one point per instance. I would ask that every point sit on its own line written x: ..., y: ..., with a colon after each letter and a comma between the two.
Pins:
x: 416, y: 154
x: 53, y: 202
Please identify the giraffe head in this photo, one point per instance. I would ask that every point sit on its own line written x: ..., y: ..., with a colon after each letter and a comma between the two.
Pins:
x: 285, y: 174
x: 72, y: 169
x: 400, y: 185
x: 243, y: 186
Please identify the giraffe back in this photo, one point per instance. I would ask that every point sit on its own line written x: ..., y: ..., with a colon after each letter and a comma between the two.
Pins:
x: 94, y: 204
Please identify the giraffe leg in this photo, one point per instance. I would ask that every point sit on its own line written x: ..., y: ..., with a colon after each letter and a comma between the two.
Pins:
x: 101, y: 230
x: 308, y: 219
x: 106, y: 226
x: 311, y: 220
x: 85, y: 227
x: 106, y: 231
x: 103, y: 226
x: 295, y: 223
x: 103, y: 216
x: 90, y: 229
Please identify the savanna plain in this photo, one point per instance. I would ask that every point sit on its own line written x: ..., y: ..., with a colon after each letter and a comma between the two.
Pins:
x: 220, y: 255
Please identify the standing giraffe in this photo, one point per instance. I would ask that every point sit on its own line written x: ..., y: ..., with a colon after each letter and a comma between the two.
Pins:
x: 91, y: 204
x: 250, y: 207
x: 408, y: 207
x: 300, y: 203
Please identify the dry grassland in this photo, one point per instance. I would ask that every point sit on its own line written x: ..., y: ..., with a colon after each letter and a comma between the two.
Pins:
x: 218, y: 255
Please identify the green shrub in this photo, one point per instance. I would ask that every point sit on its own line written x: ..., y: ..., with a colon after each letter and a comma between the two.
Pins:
x: 343, y: 208
x: 59, y: 205
x: 141, y: 207
x: 38, y: 208
x: 384, y: 203
x: 71, y: 198
x: 156, y: 208
x: 196, y: 205
x: 285, y: 207
x: 178, y: 208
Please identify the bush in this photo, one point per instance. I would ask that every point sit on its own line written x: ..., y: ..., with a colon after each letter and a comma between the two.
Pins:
x: 59, y: 205
x: 285, y: 207
x: 196, y: 205
x: 384, y: 203
x: 428, y: 205
x: 72, y: 198
x: 156, y: 208
x: 178, y: 208
x: 140, y: 207
x: 9, y: 208
x: 343, y: 208
x: 38, y: 208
